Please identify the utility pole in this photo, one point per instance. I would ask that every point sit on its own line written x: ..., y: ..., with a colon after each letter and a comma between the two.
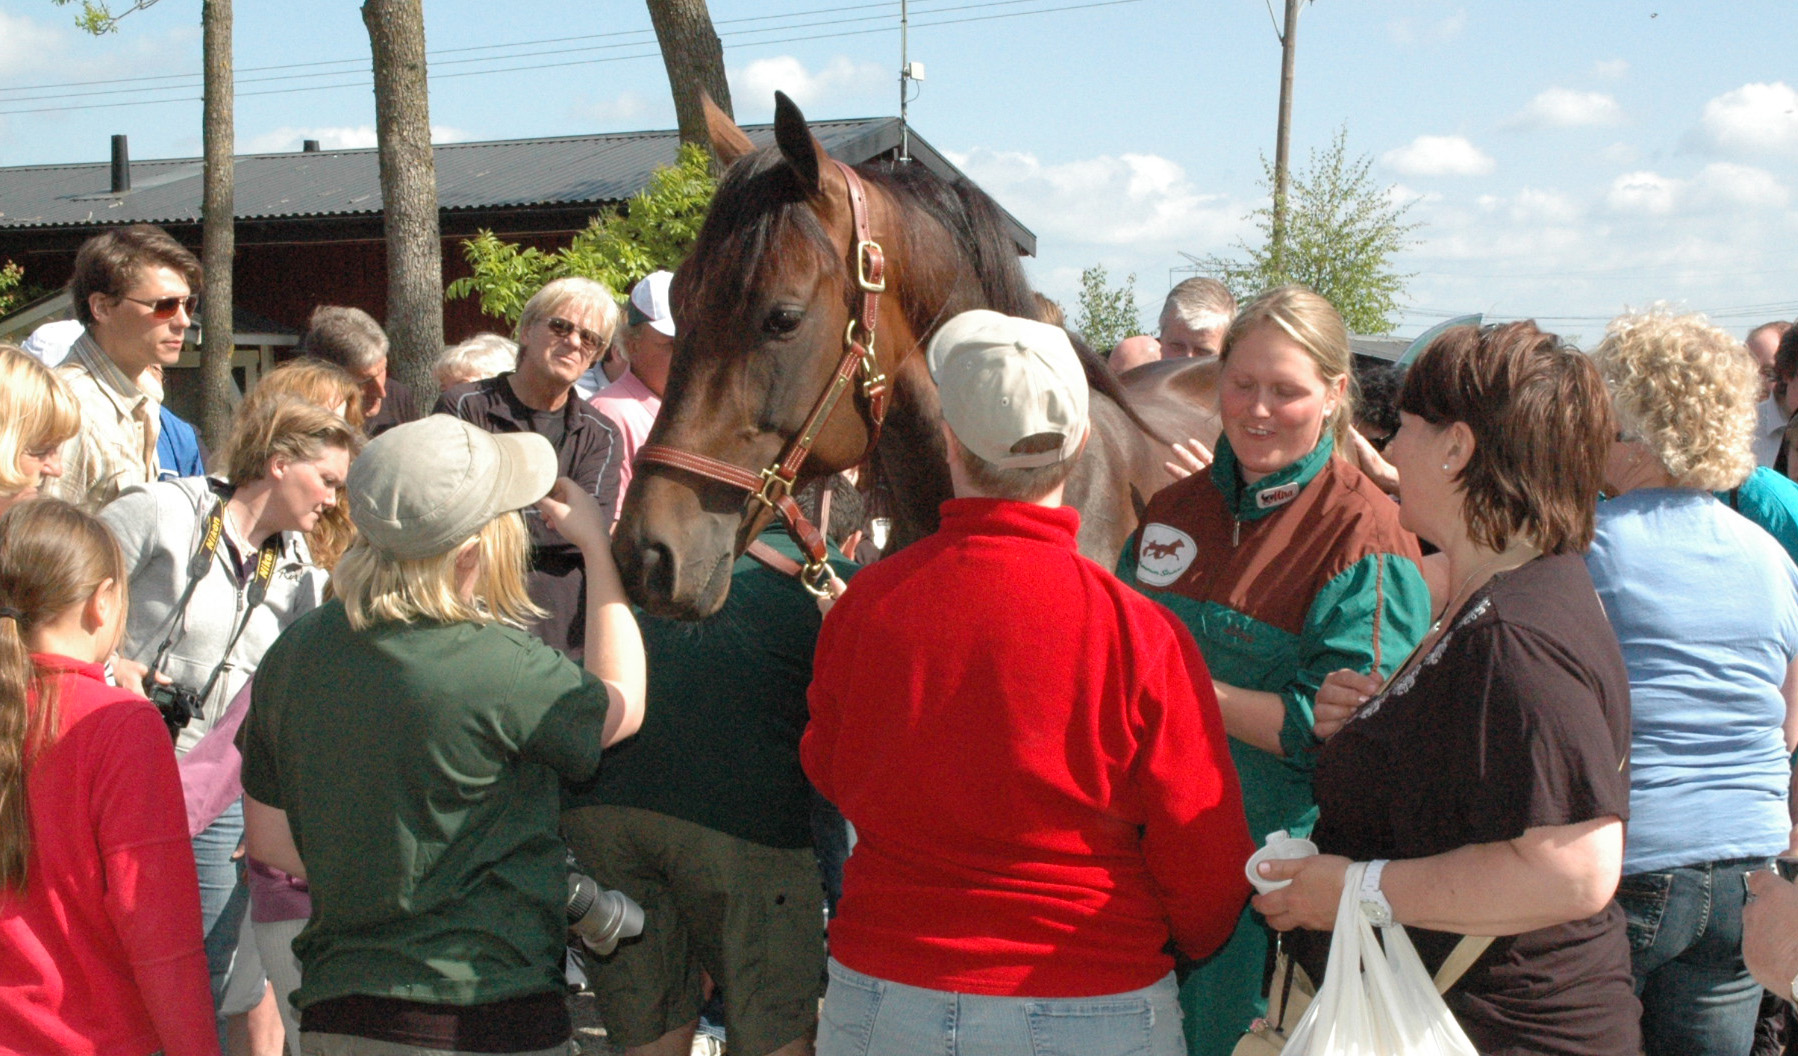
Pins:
x: 909, y: 71
x: 1283, y: 136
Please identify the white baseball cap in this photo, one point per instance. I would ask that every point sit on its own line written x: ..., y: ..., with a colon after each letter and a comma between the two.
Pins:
x: 649, y: 302
x: 422, y: 488
x: 1003, y: 379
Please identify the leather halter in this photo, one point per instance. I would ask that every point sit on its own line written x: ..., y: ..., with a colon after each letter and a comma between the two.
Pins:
x: 773, y: 486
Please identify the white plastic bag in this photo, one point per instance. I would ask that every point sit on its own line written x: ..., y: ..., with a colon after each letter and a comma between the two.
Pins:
x: 1375, y: 1002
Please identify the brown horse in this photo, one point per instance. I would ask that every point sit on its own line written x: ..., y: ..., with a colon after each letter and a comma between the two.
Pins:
x: 763, y: 304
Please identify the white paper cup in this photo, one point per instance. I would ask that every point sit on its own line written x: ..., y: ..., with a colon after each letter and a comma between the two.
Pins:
x: 1278, y: 846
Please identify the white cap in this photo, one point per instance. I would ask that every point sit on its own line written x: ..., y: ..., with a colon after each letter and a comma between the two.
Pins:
x: 51, y: 342
x: 1002, y: 379
x: 649, y: 302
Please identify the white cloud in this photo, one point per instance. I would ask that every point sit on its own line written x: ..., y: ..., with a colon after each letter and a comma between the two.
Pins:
x: 1411, y: 32
x: 1726, y: 185
x: 1566, y: 108
x: 1621, y: 154
x: 1643, y: 192
x: 1438, y: 156
x: 27, y: 44
x: 350, y: 137
x: 1610, y: 69
x: 1754, y: 119
x: 753, y: 86
x: 1136, y: 200
x: 626, y: 110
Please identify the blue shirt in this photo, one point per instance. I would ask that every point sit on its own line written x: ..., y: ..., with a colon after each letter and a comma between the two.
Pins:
x: 1770, y: 500
x: 1705, y: 606
x: 178, y: 448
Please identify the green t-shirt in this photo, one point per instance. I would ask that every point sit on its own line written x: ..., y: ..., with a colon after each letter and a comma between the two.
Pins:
x: 420, y: 768
x: 724, y: 711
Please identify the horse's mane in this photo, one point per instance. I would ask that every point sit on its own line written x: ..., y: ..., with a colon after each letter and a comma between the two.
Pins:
x: 760, y: 211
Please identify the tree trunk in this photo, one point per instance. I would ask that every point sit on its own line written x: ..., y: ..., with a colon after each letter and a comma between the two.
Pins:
x: 396, y: 33
x: 218, y: 225
x: 695, y: 61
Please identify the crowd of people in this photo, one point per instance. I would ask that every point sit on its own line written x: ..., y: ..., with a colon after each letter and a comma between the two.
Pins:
x: 305, y: 741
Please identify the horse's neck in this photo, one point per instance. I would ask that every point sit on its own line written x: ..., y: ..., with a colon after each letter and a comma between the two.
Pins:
x: 913, y: 463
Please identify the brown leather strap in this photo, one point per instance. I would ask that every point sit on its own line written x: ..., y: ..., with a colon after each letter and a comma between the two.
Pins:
x: 774, y: 559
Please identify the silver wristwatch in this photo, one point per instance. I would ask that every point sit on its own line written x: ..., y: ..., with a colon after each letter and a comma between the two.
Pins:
x: 1373, y: 901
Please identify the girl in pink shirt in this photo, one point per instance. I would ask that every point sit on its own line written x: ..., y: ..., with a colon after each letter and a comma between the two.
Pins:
x: 100, y: 947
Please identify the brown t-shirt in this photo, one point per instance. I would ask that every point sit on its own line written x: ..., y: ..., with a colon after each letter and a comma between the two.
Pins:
x: 1517, y: 718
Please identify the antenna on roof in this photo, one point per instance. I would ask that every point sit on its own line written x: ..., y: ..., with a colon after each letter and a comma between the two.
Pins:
x: 908, y: 71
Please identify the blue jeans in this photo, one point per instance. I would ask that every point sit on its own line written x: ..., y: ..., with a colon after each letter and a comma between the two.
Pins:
x: 223, y: 896
x: 865, y: 1016
x: 1685, y: 943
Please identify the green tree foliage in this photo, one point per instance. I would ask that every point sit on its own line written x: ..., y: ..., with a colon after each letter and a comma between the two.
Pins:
x: 96, y: 16
x: 1342, y: 231
x: 654, y: 230
x: 12, y: 288
x: 1106, y: 315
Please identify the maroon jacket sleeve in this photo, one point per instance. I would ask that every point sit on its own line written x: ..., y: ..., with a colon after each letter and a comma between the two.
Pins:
x: 152, y: 891
x: 1195, y: 834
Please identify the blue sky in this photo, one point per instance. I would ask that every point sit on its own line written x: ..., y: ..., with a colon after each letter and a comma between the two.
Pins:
x: 1566, y: 159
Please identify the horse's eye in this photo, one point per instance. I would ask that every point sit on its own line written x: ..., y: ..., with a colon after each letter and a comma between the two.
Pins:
x: 783, y: 320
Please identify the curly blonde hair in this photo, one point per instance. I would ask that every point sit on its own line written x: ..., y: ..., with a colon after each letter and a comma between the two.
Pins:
x: 1687, y: 391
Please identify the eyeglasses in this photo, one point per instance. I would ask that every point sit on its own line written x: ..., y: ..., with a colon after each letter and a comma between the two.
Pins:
x: 165, y: 307
x: 562, y: 328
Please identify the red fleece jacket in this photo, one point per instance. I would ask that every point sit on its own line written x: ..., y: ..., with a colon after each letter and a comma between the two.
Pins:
x: 102, y: 953
x: 1033, y: 759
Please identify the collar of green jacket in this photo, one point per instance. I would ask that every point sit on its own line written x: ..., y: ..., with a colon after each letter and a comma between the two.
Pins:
x: 1250, y: 502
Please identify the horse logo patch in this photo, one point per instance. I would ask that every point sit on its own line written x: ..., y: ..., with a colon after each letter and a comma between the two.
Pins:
x: 1164, y: 554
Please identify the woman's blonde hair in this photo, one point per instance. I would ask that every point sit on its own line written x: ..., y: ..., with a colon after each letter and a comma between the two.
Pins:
x: 36, y: 411
x: 285, y: 425
x: 52, y: 557
x: 329, y: 386
x: 1315, y: 325
x: 1687, y: 391
x: 377, y: 588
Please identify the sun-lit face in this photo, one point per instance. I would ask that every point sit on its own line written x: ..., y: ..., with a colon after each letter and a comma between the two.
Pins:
x: 132, y: 332
x: 303, y: 491
x: 1179, y: 341
x: 1274, y: 401
x: 372, y: 381
x: 36, y: 465
x: 546, y: 355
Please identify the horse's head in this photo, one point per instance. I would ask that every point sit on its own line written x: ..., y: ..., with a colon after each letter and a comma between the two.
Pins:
x: 762, y: 306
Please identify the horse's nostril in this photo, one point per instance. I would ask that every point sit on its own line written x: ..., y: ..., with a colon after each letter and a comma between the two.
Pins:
x: 656, y: 570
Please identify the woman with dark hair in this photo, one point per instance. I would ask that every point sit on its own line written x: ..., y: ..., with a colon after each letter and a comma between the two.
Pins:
x: 1705, y: 606
x: 1485, y: 782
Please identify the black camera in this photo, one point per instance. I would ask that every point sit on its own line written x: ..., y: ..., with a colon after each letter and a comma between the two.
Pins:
x: 178, y: 704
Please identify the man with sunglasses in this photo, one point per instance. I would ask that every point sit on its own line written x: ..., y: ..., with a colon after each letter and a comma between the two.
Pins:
x: 562, y: 329
x: 135, y: 291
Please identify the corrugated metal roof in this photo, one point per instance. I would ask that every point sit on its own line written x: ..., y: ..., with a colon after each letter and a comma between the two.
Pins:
x: 567, y: 170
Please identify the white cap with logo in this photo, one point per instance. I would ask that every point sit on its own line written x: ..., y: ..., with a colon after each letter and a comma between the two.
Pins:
x: 1002, y: 380
x: 649, y: 303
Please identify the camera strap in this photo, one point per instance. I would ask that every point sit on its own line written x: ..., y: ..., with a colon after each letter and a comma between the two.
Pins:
x: 211, y: 538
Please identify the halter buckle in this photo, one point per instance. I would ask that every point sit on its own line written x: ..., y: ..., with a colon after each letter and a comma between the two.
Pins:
x: 814, y: 576
x: 865, y: 250
x: 774, y: 485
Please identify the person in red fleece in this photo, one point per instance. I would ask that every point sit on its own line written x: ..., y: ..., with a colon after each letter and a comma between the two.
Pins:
x: 1029, y: 750
x: 100, y: 946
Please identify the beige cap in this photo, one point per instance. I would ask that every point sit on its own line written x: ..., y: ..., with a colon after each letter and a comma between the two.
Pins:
x: 1001, y: 379
x: 421, y: 489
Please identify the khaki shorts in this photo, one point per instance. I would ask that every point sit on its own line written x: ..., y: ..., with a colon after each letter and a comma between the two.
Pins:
x: 751, y: 916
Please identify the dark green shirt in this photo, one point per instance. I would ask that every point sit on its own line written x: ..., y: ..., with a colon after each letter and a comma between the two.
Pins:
x: 724, y: 711
x: 419, y: 766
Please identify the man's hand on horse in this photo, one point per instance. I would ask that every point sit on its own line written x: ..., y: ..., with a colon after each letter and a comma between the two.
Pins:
x: 1381, y: 472
x: 1189, y: 458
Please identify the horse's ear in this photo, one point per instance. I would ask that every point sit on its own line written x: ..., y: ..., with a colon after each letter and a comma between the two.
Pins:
x: 728, y: 141
x: 804, y: 154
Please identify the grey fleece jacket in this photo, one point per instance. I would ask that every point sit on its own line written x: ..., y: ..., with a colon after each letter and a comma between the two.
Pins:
x: 159, y: 527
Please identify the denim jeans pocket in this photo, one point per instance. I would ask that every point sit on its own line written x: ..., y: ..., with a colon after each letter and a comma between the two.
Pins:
x: 1643, y: 897
x: 851, y: 1001
x: 1098, y: 1027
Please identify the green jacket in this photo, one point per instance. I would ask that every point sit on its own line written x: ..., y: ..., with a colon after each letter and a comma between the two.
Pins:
x: 1282, y: 582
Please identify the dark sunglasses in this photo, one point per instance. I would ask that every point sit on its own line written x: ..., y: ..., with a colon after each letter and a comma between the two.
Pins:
x: 164, y: 307
x: 562, y: 328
